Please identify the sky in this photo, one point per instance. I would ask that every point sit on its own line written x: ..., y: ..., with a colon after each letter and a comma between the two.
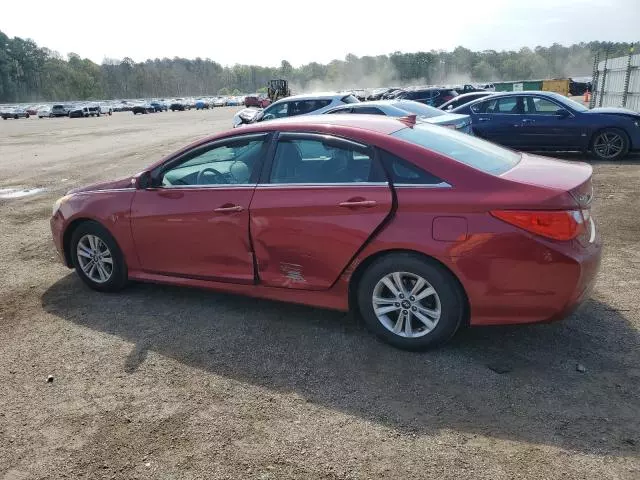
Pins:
x: 261, y: 32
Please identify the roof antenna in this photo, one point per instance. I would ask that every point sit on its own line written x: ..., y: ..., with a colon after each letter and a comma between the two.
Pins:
x: 409, y: 120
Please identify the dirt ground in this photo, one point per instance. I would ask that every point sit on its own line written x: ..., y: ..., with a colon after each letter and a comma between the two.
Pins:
x: 172, y: 383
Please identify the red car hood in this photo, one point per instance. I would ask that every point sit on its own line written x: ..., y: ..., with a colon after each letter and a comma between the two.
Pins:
x: 114, y: 184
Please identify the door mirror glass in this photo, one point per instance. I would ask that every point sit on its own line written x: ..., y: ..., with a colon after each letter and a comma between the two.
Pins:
x: 562, y: 112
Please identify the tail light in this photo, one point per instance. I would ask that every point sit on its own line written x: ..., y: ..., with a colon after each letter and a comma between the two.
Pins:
x: 554, y: 224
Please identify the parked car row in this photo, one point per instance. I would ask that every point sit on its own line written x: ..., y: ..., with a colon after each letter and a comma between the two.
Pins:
x: 531, y: 121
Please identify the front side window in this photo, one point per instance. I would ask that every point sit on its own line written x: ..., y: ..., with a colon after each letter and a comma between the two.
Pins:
x: 473, y: 151
x: 311, y: 161
x: 233, y: 162
x: 276, y: 111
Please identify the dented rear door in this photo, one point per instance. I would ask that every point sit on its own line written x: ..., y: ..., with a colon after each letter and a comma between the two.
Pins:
x: 322, y: 198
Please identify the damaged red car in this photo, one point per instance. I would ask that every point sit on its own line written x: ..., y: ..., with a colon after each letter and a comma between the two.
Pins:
x: 417, y: 228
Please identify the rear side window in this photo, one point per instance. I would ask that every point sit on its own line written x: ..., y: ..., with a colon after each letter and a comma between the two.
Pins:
x: 473, y: 151
x: 349, y: 99
x: 368, y: 110
x: 403, y: 172
x: 311, y: 161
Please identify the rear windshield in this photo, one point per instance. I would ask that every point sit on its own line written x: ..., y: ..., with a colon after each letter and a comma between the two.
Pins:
x: 350, y: 99
x: 473, y: 151
x: 419, y: 109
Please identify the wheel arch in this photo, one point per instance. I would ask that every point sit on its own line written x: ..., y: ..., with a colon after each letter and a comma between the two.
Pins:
x: 68, y: 235
x: 362, y: 267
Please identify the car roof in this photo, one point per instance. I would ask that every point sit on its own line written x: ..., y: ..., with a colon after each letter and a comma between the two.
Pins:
x: 376, y: 123
x: 313, y: 96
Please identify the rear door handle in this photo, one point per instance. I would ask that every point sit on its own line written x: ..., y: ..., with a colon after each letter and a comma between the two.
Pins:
x: 483, y: 119
x: 229, y: 209
x: 528, y: 120
x: 358, y: 204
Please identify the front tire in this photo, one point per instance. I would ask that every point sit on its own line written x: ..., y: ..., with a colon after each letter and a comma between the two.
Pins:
x: 410, y: 302
x: 610, y: 144
x: 97, y: 258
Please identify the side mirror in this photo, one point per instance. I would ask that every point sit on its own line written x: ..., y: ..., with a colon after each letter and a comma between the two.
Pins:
x: 562, y: 113
x: 268, y: 116
x: 143, y: 180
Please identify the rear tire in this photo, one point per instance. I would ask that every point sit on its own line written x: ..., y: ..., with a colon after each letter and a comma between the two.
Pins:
x: 610, y: 144
x: 97, y: 259
x: 427, y: 309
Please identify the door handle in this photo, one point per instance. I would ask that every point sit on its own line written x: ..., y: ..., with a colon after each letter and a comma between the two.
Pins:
x: 229, y: 209
x: 528, y: 120
x: 358, y: 203
x: 483, y: 119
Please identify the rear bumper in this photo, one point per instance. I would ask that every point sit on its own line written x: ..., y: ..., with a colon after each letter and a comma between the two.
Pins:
x: 534, y: 281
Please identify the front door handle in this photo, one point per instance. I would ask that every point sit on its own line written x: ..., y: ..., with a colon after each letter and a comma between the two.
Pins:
x: 528, y: 120
x: 229, y: 209
x: 483, y: 119
x: 358, y: 204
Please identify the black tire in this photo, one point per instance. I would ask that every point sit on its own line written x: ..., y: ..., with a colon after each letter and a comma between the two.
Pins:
x: 618, y: 138
x: 118, y: 278
x: 110, y: 113
x: 27, y: 115
x: 448, y: 292
x: 15, y: 117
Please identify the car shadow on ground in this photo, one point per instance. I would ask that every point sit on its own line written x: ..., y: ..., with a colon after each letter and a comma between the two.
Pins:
x: 517, y: 383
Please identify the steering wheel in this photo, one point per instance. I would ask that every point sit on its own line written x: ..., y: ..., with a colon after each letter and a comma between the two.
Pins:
x: 218, y: 177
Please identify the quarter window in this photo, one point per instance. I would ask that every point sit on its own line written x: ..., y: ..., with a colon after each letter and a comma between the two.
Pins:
x: 403, y: 172
x: 231, y: 163
x: 313, y: 161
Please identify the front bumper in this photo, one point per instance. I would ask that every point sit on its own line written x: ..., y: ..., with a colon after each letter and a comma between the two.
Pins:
x: 57, y: 232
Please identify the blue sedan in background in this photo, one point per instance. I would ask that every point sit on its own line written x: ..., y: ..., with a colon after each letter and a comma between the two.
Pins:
x: 548, y: 121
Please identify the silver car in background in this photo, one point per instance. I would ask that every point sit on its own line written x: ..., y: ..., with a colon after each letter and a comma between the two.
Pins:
x: 311, y: 104
x: 402, y: 108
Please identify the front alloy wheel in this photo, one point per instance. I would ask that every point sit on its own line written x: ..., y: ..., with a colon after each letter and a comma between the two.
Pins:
x: 97, y: 258
x: 94, y: 258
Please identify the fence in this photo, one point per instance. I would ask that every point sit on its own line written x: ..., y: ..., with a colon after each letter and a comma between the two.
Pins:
x: 616, y: 82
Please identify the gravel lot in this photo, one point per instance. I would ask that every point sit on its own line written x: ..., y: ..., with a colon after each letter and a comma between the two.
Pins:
x: 171, y: 383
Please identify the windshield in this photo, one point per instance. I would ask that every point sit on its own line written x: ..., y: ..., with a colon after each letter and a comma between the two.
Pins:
x: 419, y: 109
x: 578, y: 107
x: 473, y: 151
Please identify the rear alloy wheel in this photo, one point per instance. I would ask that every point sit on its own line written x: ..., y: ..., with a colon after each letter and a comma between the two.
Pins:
x: 610, y: 144
x: 410, y: 302
x: 97, y: 258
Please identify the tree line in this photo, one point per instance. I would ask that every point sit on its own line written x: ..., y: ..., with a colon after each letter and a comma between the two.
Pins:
x: 31, y: 73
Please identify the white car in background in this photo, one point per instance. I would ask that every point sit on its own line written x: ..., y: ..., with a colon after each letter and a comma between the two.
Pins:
x: 44, y: 111
x: 105, y: 108
x: 310, y: 104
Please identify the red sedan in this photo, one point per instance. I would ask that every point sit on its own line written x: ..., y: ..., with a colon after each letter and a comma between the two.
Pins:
x: 419, y: 228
